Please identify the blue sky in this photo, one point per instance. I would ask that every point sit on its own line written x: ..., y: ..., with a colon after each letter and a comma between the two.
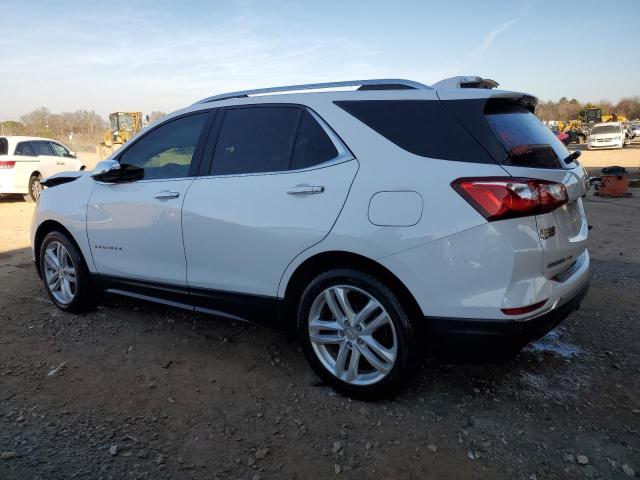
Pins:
x: 161, y: 55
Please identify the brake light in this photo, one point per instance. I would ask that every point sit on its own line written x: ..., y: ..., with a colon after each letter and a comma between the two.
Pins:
x: 7, y: 164
x: 498, y: 198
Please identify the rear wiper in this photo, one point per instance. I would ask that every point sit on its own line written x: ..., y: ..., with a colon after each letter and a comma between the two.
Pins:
x: 572, y: 157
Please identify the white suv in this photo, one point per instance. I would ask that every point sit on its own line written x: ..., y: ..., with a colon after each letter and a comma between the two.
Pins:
x: 25, y: 161
x: 381, y: 221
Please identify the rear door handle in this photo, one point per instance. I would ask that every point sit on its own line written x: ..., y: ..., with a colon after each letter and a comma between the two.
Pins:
x: 305, y: 190
x: 165, y: 194
x: 60, y: 163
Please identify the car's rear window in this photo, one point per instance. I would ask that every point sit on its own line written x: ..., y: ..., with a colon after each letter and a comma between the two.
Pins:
x: 422, y: 127
x: 4, y: 146
x: 527, y: 141
x: 598, y: 129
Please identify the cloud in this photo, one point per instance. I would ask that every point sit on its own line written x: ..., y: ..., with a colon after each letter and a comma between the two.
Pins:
x: 163, y: 64
x: 490, y: 37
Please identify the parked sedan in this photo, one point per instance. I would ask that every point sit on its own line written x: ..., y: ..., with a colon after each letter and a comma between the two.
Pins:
x: 25, y: 161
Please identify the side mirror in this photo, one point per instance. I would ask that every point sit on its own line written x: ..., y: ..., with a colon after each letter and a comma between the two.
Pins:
x: 110, y: 171
x: 72, y: 155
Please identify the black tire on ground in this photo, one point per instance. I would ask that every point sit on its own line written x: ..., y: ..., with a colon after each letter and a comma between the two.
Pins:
x: 34, y: 188
x: 390, y: 384
x: 86, y: 295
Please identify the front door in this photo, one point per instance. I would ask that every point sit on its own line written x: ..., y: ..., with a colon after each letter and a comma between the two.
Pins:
x: 277, y: 183
x: 135, y: 228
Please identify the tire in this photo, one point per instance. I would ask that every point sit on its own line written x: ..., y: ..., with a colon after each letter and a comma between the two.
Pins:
x: 81, y: 295
x: 34, y: 188
x: 387, y: 326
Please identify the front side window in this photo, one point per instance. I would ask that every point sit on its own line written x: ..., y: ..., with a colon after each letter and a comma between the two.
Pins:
x: 42, y: 148
x: 255, y: 140
x: 25, y: 149
x: 167, y: 151
x: 313, y: 145
x: 59, y: 150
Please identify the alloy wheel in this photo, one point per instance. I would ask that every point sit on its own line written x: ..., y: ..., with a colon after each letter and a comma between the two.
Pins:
x: 352, y: 335
x: 60, y: 273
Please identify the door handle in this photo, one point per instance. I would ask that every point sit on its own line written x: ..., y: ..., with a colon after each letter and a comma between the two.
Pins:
x: 60, y: 163
x: 165, y: 194
x: 305, y: 190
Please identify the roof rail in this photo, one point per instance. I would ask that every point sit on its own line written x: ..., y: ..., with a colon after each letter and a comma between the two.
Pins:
x: 466, y: 82
x: 373, y: 84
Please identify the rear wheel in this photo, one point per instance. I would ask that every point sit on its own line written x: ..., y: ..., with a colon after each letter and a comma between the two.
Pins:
x: 35, y: 188
x: 65, y: 274
x: 355, y: 334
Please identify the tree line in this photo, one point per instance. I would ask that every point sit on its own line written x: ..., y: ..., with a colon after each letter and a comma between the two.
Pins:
x: 82, y: 129
x: 565, y: 109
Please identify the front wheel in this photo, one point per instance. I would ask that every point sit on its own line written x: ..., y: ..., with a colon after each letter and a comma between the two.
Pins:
x: 355, y: 334
x: 35, y: 188
x: 65, y: 274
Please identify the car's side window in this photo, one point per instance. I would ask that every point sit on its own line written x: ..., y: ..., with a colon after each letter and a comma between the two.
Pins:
x: 167, y: 151
x: 313, y: 145
x: 25, y: 149
x: 4, y: 146
x: 59, y: 150
x: 255, y: 140
x: 42, y: 148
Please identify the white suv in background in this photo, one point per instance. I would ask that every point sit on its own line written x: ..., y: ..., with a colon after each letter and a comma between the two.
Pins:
x: 379, y: 222
x: 25, y: 161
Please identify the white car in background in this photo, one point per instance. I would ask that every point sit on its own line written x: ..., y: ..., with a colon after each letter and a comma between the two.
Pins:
x: 25, y: 161
x: 607, y: 135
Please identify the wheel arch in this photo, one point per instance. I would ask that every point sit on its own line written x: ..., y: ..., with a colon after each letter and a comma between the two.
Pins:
x: 43, y: 230
x: 330, y: 260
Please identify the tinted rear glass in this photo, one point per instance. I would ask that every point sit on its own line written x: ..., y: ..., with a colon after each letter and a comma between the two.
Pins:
x: 313, y: 145
x: 42, y: 148
x: 4, y: 146
x: 25, y: 148
x: 422, y: 127
x: 255, y: 140
x: 528, y: 142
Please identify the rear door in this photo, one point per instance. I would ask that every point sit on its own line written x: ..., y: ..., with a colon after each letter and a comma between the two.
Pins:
x: 50, y: 163
x: 27, y: 162
x: 277, y: 181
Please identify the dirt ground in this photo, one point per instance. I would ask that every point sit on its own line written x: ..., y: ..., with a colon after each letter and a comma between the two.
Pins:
x: 135, y: 390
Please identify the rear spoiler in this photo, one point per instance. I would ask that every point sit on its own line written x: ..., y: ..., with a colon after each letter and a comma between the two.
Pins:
x: 466, y: 82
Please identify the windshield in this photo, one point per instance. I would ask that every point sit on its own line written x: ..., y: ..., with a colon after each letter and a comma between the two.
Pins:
x: 598, y: 129
x: 525, y: 138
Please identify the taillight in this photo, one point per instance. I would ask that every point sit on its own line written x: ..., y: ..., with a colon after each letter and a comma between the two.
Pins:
x: 497, y: 198
x: 7, y: 164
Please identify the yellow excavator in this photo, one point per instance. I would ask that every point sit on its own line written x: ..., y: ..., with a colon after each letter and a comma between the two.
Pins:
x: 124, y: 125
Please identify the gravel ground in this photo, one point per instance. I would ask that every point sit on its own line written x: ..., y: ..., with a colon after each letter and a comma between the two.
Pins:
x: 135, y: 390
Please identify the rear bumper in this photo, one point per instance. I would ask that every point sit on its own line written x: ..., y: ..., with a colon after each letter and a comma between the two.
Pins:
x: 480, y: 340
